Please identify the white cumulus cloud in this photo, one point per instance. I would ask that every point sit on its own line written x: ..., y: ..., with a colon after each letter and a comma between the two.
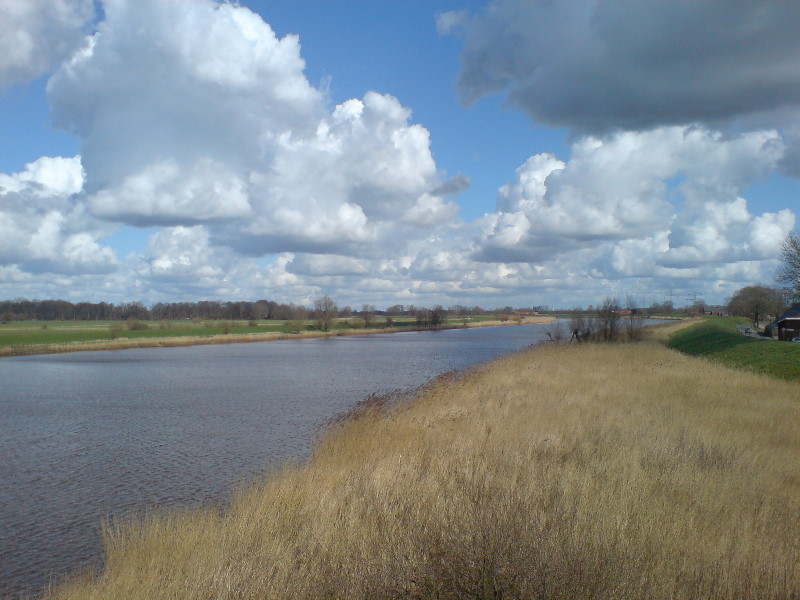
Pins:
x: 655, y: 204
x: 192, y: 112
x: 36, y: 35
x: 44, y: 227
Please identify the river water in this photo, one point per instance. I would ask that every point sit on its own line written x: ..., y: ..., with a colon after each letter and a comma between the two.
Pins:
x: 88, y: 435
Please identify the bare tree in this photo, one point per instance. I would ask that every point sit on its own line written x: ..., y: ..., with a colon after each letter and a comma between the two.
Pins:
x: 431, y: 317
x: 555, y: 332
x: 368, y: 314
x: 608, y: 319
x: 438, y: 315
x: 325, y: 311
x: 756, y: 302
x: 395, y: 310
x: 789, y: 272
x: 634, y: 324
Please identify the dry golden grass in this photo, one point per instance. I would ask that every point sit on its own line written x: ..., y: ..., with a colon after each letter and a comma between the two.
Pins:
x: 662, y: 332
x: 588, y: 471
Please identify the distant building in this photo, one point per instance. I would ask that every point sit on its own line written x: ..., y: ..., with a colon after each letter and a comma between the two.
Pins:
x: 787, y: 326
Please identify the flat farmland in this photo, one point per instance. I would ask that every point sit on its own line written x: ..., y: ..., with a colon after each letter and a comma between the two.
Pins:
x: 43, y: 337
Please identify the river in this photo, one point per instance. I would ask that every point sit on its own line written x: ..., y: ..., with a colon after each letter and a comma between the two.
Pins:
x: 88, y: 435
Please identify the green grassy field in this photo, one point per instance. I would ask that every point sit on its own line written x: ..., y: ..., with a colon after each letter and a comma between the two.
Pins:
x: 24, y: 333
x: 718, y: 339
x: 21, y: 334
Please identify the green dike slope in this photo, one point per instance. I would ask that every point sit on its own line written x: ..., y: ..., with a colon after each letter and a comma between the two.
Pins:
x: 719, y: 340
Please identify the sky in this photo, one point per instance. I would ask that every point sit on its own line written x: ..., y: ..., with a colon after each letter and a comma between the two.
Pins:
x: 470, y: 152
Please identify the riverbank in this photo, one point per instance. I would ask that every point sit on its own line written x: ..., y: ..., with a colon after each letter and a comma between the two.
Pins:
x: 591, y: 471
x: 167, y: 341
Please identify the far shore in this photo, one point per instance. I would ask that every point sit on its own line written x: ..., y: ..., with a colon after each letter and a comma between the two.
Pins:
x: 238, y: 338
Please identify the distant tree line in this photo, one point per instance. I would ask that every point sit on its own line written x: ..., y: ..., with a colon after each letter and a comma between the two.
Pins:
x: 62, y: 310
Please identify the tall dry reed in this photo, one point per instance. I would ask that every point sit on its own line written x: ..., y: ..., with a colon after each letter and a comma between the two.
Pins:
x: 589, y: 471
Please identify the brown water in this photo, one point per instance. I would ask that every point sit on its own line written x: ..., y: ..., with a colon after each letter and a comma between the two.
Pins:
x: 87, y: 435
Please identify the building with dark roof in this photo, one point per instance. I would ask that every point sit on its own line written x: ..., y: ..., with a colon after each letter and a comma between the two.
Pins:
x: 787, y: 325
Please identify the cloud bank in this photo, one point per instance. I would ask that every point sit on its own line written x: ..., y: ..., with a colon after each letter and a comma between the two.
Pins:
x: 198, y: 124
x: 657, y: 206
x: 596, y: 66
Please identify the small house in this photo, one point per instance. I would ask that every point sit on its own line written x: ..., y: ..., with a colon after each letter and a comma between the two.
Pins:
x: 788, y: 324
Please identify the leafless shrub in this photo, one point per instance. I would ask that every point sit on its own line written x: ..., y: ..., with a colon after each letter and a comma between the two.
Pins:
x: 634, y: 328
x: 555, y: 332
x: 608, y: 318
x: 582, y: 328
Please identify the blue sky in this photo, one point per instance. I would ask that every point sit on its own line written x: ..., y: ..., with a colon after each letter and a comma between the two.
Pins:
x: 455, y: 152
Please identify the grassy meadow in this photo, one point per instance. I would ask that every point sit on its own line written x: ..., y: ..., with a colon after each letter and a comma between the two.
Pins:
x: 41, y: 337
x: 19, y: 333
x: 583, y: 471
x: 718, y: 339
